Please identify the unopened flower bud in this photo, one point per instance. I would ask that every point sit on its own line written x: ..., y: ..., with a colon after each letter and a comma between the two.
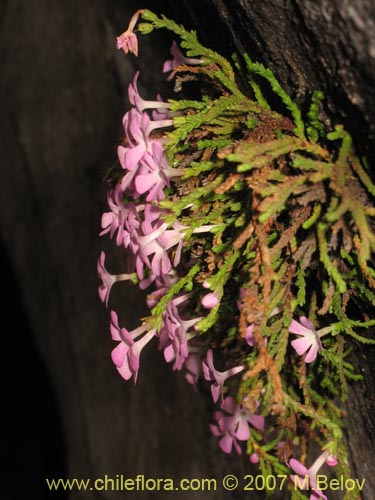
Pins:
x: 147, y: 15
x: 210, y: 301
x: 145, y: 28
x: 332, y: 461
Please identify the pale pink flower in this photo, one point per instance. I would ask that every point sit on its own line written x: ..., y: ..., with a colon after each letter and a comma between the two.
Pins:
x: 239, y: 419
x: 192, y: 368
x: 141, y: 104
x: 126, y: 354
x: 108, y: 279
x: 228, y: 440
x: 233, y: 425
x: 156, y: 174
x: 178, y: 60
x: 332, y: 461
x: 305, y: 479
x: 249, y: 336
x: 128, y: 40
x: 114, y: 220
x: 176, y: 332
x: 309, y: 341
x: 218, y: 378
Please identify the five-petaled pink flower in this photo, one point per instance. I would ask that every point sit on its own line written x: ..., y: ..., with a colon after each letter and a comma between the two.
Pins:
x: 309, y: 341
x: 218, y: 378
x: 233, y: 424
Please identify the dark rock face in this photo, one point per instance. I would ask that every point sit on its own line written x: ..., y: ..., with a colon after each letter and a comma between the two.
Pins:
x: 63, y: 93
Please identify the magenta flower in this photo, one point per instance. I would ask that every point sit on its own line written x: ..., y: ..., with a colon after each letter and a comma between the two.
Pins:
x: 108, y: 279
x: 309, y: 342
x: 126, y: 354
x: 176, y: 333
x: 211, y: 374
x: 254, y: 458
x: 114, y: 220
x: 305, y: 479
x: 178, y: 60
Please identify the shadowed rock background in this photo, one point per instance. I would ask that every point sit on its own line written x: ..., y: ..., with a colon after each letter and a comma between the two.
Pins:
x: 63, y: 91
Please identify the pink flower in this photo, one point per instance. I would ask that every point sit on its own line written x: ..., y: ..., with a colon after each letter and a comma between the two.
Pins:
x: 227, y: 440
x: 157, y: 239
x: 211, y: 374
x: 233, y: 425
x: 210, y: 300
x: 178, y: 60
x: 108, y: 279
x: 176, y: 333
x: 309, y: 341
x: 136, y: 126
x: 192, y: 368
x: 154, y: 246
x: 128, y: 40
x: 126, y: 354
x: 249, y: 336
x: 239, y: 419
x: 306, y: 478
x: 137, y: 156
x: 156, y: 173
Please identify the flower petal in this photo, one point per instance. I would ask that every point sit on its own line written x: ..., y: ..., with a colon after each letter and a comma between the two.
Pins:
x: 299, y: 329
x: 256, y: 421
x: 226, y: 443
x: 301, y: 345
x: 311, y: 355
x: 299, y: 468
x: 119, y: 354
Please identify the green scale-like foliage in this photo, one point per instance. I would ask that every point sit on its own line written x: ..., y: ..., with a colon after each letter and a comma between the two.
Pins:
x: 291, y: 204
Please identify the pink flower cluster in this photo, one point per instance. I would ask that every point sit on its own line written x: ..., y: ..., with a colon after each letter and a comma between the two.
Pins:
x: 137, y: 224
x: 232, y: 421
